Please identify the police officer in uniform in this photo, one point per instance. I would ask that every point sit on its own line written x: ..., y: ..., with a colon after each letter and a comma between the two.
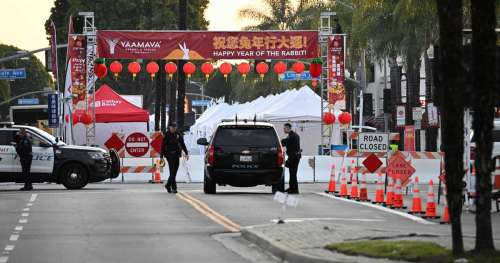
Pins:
x: 25, y: 153
x: 172, y: 147
x: 293, y: 151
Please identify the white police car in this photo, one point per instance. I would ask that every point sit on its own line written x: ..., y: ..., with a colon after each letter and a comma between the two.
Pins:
x: 54, y: 161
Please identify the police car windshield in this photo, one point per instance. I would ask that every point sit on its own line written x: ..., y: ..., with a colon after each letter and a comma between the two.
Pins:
x: 45, y: 134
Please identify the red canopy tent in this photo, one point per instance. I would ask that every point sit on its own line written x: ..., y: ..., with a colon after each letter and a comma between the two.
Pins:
x: 111, y: 107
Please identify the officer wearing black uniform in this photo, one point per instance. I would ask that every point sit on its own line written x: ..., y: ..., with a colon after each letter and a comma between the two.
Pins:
x: 172, y: 147
x: 293, y: 151
x: 25, y: 153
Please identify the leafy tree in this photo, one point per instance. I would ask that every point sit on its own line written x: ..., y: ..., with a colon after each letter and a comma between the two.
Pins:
x: 283, y: 15
x: 37, y: 77
x: 124, y: 14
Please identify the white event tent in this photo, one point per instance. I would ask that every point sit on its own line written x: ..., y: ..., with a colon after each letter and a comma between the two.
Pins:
x: 300, y: 107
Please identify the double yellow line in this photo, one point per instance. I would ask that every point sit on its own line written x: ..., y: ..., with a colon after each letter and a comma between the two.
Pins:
x: 209, y: 212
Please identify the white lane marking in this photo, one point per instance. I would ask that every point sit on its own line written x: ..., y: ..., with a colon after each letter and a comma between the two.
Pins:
x: 4, y: 259
x: 25, y: 214
x: 9, y: 247
x: 26, y: 209
x: 19, y: 228
x: 33, y: 197
x: 13, y: 237
x: 23, y: 221
x: 29, y: 204
x: 329, y: 219
x: 385, y: 209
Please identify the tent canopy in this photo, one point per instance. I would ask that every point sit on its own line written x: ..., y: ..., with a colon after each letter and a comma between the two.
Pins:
x: 111, y: 107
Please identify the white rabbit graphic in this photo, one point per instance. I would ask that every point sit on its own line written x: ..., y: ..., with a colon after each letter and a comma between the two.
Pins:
x: 185, y: 51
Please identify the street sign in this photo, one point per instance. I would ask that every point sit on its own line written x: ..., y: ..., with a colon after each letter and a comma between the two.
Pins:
x: 432, y: 115
x: 417, y: 113
x: 197, y: 103
x: 137, y: 144
x: 31, y: 101
x: 373, y: 142
x: 372, y: 163
x: 409, y: 138
x: 114, y: 142
x: 53, y: 110
x: 399, y: 168
x: 400, y: 116
x: 290, y: 75
x: 13, y: 73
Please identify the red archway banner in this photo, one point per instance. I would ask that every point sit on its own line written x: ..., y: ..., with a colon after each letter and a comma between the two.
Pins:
x: 205, y: 45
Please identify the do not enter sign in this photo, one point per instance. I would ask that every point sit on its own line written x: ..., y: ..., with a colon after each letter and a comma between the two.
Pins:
x: 137, y: 144
x: 373, y: 142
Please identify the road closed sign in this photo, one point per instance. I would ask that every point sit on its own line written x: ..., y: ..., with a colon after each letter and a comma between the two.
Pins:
x: 137, y: 144
x: 373, y: 142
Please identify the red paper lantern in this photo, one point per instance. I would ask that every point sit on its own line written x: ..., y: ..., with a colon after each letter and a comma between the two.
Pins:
x: 225, y: 68
x: 170, y: 68
x: 262, y: 68
x: 189, y: 68
x: 100, y: 70
x: 315, y: 70
x: 345, y: 117
x: 328, y: 118
x: 298, y: 67
x: 280, y: 68
x: 134, y: 68
x: 116, y: 68
x: 152, y: 68
x: 207, y: 68
x: 86, y: 119
x: 244, y: 68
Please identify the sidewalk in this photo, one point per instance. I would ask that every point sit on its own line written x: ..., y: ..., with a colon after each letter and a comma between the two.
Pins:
x: 305, y: 241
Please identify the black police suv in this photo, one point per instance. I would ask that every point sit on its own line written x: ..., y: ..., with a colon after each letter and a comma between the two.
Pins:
x: 243, y: 154
x: 54, y: 161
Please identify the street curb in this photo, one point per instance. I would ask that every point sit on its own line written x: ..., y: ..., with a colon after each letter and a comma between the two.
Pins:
x: 279, y: 250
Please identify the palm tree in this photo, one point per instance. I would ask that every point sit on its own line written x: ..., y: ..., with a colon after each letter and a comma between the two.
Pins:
x: 283, y: 15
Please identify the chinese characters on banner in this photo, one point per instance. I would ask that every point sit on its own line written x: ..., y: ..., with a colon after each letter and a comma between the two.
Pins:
x: 409, y: 138
x: 336, y: 73
x: 77, y: 51
x: 53, y: 110
x: 203, y: 45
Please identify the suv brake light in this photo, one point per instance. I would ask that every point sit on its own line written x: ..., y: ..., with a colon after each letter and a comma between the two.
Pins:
x: 281, y: 157
x: 211, y: 155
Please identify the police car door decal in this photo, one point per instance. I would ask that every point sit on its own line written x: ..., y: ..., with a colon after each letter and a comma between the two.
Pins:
x: 7, y: 154
x: 43, y: 157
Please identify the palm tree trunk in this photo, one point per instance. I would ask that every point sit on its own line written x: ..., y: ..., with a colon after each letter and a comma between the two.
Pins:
x: 181, y: 80
x: 483, y: 68
x: 450, y: 82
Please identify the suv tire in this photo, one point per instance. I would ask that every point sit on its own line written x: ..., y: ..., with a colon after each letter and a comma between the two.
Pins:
x: 73, y: 176
x: 209, y: 186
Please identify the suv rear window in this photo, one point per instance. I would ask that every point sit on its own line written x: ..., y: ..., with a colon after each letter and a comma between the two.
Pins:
x: 259, y: 136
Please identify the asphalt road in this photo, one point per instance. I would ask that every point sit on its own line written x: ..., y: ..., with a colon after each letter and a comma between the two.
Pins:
x: 143, y: 223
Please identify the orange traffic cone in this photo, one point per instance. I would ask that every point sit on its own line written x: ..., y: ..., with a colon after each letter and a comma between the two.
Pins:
x: 156, y: 174
x: 398, y: 196
x: 363, y: 192
x: 416, y: 202
x: 430, y: 207
x: 446, y: 214
x: 332, y: 184
x: 354, y: 187
x: 390, y: 194
x: 379, y: 192
x: 343, y: 185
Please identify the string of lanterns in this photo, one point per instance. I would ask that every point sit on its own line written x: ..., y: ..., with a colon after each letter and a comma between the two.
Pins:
x: 207, y: 68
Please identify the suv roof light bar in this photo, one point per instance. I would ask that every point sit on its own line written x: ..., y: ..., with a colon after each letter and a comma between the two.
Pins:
x: 6, y: 124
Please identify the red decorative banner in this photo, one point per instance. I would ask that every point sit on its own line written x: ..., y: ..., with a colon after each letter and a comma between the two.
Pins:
x: 77, y: 50
x: 203, y: 45
x: 336, y: 72
x: 409, y: 138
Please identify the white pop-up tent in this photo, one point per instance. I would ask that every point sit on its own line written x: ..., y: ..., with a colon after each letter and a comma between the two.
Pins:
x: 300, y: 107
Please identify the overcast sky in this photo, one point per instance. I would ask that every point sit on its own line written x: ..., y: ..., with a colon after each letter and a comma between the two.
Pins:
x: 22, y: 21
